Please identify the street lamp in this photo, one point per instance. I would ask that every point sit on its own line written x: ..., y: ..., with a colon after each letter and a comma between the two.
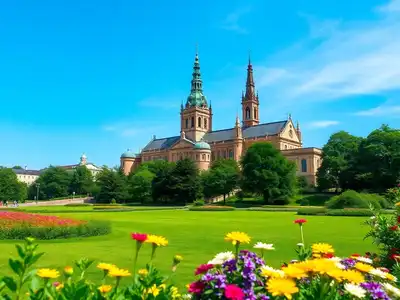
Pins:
x: 37, y: 192
x: 73, y: 195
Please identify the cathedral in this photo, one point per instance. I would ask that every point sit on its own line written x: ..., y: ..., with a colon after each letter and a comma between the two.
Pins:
x: 198, y: 140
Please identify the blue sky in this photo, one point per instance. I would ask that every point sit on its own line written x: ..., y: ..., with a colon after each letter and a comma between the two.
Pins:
x: 102, y: 76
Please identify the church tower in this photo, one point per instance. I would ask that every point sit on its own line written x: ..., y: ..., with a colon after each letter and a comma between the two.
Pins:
x: 250, y: 103
x: 196, y: 115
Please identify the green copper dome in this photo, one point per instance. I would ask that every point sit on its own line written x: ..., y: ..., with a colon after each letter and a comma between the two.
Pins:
x: 196, y: 97
x: 202, y: 145
x: 128, y: 154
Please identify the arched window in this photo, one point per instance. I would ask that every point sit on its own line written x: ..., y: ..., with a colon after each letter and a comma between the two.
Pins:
x: 230, y: 153
x: 192, y: 122
x: 205, y: 123
x: 186, y: 123
x: 255, y: 113
x: 203, y: 157
x: 247, y: 113
x: 198, y: 122
x: 304, y: 165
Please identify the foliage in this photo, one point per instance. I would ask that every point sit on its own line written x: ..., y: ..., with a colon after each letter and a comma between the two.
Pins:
x: 199, y: 203
x: 392, y: 195
x: 10, y: 188
x: 211, y: 208
x: 81, y: 181
x: 347, y: 212
x: 78, y: 204
x: 74, y: 283
x: 353, y: 199
x: 112, y: 185
x: 316, y: 274
x: 54, y: 182
x: 267, y: 172
x: 139, y: 185
x: 311, y: 211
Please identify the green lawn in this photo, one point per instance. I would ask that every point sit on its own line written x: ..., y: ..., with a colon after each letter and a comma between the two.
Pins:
x: 197, y: 236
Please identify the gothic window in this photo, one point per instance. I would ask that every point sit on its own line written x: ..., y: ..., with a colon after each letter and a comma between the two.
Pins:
x: 198, y: 122
x: 203, y: 157
x: 247, y: 113
x: 304, y: 165
x: 192, y: 122
x: 230, y: 153
x: 186, y: 123
x: 205, y: 123
x: 208, y: 156
x: 255, y: 113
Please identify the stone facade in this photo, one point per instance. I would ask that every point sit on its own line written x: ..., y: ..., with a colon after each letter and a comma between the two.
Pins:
x: 199, y: 142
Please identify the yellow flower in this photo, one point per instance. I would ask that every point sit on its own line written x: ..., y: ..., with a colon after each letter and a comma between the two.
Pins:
x: 322, y: 265
x: 322, y: 248
x: 59, y: 287
x: 105, y: 266
x: 292, y: 271
x: 363, y: 267
x: 156, y: 240
x: 175, y: 293
x: 353, y: 276
x: 116, y: 272
x: 153, y: 290
x: 282, y: 287
x: 177, y: 259
x: 48, y: 273
x: 336, y: 274
x: 237, y: 237
x: 162, y: 286
x: 391, y: 277
x: 105, y: 288
x: 68, y: 270
x: 267, y: 271
x: 143, y: 272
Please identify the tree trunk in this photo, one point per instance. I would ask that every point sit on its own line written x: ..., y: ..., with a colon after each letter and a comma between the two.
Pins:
x: 224, y: 199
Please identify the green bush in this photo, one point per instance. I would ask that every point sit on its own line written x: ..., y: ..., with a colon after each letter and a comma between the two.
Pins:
x: 279, y: 208
x: 311, y: 211
x: 113, y: 201
x: 91, y: 228
x: 198, y: 203
x: 107, y: 204
x: 352, y: 199
x: 361, y: 212
x: 211, y: 208
x: 304, y: 202
x: 78, y: 204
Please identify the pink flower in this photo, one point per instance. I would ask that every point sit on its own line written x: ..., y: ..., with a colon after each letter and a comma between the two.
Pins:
x: 196, y: 287
x: 300, y: 221
x: 139, y: 237
x: 234, y: 292
x: 202, y: 269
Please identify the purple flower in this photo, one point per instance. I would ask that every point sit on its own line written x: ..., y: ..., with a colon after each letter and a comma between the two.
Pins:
x: 348, y: 263
x: 375, y: 290
x: 230, y: 265
x: 263, y: 297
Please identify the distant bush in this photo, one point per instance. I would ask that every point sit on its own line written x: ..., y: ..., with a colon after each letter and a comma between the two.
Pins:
x: 278, y: 208
x: 78, y: 204
x: 199, y: 203
x: 360, y: 212
x: 113, y: 201
x: 107, y: 204
x: 304, y: 202
x: 352, y: 199
x: 211, y: 208
x: 311, y: 211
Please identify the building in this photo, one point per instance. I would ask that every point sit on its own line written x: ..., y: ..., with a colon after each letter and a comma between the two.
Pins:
x: 84, y: 162
x: 27, y: 176
x: 198, y: 140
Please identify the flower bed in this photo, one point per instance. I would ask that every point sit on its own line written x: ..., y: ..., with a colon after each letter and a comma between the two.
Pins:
x: 211, y: 208
x: 19, y: 225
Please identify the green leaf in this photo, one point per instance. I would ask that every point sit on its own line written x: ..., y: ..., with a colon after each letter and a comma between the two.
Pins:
x: 35, y: 283
x: 10, y: 283
x: 35, y: 258
x: 28, y: 276
x: 16, y: 266
x: 20, y: 251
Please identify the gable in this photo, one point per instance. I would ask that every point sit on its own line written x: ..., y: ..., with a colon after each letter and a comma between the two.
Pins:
x: 183, y: 143
x: 264, y: 129
x: 161, y: 144
x: 289, y: 132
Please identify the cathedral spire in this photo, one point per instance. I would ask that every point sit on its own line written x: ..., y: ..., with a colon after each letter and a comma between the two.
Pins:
x: 196, y: 97
x: 250, y: 94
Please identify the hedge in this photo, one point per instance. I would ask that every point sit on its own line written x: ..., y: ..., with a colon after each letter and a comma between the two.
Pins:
x: 281, y: 208
x: 360, y: 212
x: 211, y: 208
x: 78, y: 204
x: 91, y: 228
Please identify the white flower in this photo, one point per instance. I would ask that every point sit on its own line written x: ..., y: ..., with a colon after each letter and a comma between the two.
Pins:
x: 340, y: 266
x: 378, y: 273
x: 222, y: 257
x: 269, y: 270
x: 215, y: 262
x: 364, y: 259
x: 264, y: 246
x: 300, y: 244
x: 391, y: 290
x: 355, y: 290
x: 335, y: 259
x: 186, y: 296
x: 373, y: 218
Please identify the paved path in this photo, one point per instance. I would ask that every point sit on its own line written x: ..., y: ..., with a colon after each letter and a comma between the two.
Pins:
x: 53, y: 202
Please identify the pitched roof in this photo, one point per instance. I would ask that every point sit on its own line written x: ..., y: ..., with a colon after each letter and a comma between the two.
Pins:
x: 26, y: 172
x: 161, y: 144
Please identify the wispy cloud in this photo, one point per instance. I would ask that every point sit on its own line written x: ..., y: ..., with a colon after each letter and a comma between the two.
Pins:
x: 231, y: 21
x: 386, y: 109
x: 129, y: 129
x: 322, y: 124
x: 340, y: 59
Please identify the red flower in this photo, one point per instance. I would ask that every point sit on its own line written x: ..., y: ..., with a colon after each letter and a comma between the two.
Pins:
x: 196, y: 287
x: 398, y: 219
x: 355, y: 255
x: 394, y: 227
x: 328, y: 255
x: 395, y: 257
x: 300, y: 221
x: 234, y: 292
x: 139, y: 237
x: 202, y: 269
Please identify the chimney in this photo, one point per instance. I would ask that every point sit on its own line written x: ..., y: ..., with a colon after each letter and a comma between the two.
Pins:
x: 26, y: 167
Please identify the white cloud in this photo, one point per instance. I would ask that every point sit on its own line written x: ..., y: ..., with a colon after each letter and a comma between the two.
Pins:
x: 231, y: 21
x: 386, y: 109
x: 347, y: 59
x: 322, y: 124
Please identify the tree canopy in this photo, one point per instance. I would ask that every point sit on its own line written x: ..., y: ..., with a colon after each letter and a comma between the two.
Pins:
x: 10, y: 187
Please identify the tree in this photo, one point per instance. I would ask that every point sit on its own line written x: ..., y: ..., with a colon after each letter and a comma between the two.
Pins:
x: 221, y: 179
x: 10, y: 187
x: 54, y: 182
x: 154, y: 166
x: 81, y: 181
x: 139, y: 185
x: 17, y: 167
x: 162, y: 182
x: 112, y: 184
x: 338, y: 165
x: 267, y: 172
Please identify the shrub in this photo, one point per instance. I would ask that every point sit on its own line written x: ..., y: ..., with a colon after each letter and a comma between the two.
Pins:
x: 352, y: 199
x: 198, y: 203
x: 304, y: 202
x: 272, y: 208
x: 78, y: 204
x: 311, y: 211
x: 360, y: 212
x: 113, y: 201
x: 211, y: 208
x: 393, y: 195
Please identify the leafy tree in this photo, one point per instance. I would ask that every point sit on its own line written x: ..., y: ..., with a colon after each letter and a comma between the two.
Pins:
x: 221, y: 179
x: 54, y: 182
x: 17, y: 167
x: 112, y: 184
x: 10, y: 188
x: 155, y: 166
x: 338, y: 161
x: 139, y: 185
x: 267, y: 172
x: 81, y: 181
x: 162, y: 182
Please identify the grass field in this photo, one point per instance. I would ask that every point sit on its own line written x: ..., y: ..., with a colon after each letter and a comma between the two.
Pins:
x: 197, y: 236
